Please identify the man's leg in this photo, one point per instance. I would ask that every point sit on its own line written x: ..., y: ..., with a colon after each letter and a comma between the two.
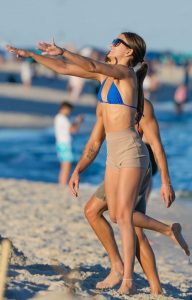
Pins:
x: 147, y: 261
x: 174, y: 231
x: 65, y: 169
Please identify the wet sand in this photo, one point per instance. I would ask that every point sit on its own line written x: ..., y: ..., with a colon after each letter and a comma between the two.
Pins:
x: 57, y: 256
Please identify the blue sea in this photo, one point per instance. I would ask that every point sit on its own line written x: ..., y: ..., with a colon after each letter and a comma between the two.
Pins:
x: 30, y: 153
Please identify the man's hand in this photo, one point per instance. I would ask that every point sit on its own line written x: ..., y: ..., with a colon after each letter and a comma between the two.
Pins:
x: 167, y: 194
x: 74, y: 183
x: 50, y: 49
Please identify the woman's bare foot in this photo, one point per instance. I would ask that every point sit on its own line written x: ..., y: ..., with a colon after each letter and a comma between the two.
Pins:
x: 127, y: 287
x: 114, y: 277
x: 176, y: 235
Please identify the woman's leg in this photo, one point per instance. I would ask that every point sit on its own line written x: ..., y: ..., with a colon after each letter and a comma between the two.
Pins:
x: 111, y: 183
x: 129, y: 182
x: 174, y: 232
x: 94, y: 213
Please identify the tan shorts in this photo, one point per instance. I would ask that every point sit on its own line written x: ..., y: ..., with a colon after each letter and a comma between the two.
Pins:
x: 141, y: 199
x: 125, y: 149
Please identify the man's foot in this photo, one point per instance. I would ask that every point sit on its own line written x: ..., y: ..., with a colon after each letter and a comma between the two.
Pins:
x: 127, y: 287
x: 176, y: 236
x: 157, y: 291
x: 110, y: 281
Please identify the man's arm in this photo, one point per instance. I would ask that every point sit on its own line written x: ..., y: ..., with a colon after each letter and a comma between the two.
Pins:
x: 90, y: 151
x: 151, y: 133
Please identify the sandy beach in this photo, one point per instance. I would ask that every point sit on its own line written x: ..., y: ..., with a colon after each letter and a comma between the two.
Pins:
x: 56, y: 255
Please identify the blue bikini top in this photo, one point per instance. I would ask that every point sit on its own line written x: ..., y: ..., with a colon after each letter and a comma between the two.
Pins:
x: 113, y: 95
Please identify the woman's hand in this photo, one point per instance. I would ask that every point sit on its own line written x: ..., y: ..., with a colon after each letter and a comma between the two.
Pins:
x: 74, y: 183
x: 50, y: 49
x: 167, y: 194
x: 18, y: 52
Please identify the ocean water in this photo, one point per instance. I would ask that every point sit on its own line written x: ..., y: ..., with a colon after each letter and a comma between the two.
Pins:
x: 30, y: 153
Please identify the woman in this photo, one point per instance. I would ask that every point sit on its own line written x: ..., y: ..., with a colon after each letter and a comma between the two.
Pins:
x: 121, y: 101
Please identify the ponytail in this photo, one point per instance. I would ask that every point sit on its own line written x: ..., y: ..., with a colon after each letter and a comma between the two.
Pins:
x: 140, y: 73
x: 137, y: 44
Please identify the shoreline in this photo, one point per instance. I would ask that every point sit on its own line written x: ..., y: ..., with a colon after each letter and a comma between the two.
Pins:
x: 43, y: 94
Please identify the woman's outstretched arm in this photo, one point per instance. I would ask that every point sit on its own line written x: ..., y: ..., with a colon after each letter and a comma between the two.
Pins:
x: 87, y: 64
x: 56, y: 65
x: 93, y: 66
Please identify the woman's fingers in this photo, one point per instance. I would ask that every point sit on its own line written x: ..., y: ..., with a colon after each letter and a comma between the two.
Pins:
x: 11, y: 49
x: 45, y: 53
x: 73, y: 185
x: 162, y: 196
x: 76, y: 187
x: 17, y: 51
x: 43, y: 46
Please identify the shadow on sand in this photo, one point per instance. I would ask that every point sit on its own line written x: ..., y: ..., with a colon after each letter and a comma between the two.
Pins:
x: 78, y: 281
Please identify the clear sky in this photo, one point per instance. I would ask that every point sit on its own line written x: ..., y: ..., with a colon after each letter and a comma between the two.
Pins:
x: 165, y: 24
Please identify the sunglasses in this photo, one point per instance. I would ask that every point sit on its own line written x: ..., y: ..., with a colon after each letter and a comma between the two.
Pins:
x: 117, y: 42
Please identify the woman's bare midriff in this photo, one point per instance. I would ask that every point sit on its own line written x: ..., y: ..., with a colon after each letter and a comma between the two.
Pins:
x: 117, y: 117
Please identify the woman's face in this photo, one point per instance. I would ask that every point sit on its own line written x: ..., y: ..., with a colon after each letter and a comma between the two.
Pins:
x: 118, y: 48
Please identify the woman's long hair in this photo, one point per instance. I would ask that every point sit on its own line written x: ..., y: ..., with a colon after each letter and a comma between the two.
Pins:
x: 139, y: 49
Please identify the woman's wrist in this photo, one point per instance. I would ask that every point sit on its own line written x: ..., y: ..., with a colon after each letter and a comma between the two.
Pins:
x: 166, y: 184
x: 77, y: 170
x: 31, y: 54
x: 165, y: 179
x: 63, y: 51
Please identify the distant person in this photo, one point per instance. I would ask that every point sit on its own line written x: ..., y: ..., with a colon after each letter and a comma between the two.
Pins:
x: 150, y: 85
x: 27, y: 73
x: 181, y: 93
x: 76, y: 84
x: 63, y: 131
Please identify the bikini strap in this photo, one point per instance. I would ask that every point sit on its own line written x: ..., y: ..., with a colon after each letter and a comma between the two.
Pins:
x: 104, y: 80
x: 129, y: 105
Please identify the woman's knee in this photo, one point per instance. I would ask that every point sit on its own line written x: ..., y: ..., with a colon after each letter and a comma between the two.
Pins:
x: 112, y: 217
x: 124, y: 216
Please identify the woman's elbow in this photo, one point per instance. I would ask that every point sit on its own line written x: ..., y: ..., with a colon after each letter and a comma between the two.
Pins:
x: 62, y: 69
x: 92, y: 67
